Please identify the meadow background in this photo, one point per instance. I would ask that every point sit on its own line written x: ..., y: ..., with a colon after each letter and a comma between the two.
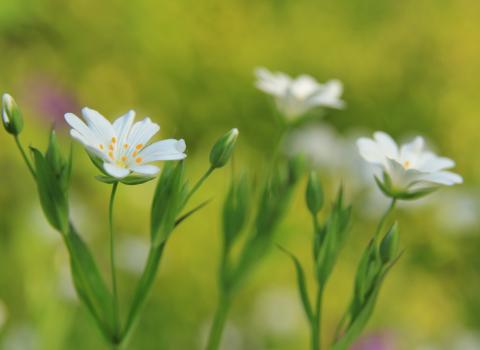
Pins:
x: 409, y: 67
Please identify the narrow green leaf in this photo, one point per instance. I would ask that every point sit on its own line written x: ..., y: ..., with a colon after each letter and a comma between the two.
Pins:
x: 191, y: 212
x: 302, y: 285
x: 52, y: 198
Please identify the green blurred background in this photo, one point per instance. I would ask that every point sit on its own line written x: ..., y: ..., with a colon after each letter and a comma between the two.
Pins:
x: 408, y: 67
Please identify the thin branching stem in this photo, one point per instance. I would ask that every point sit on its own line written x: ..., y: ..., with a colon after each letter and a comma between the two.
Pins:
x: 112, y: 262
x: 219, y: 321
x: 199, y: 183
x: 24, y: 156
x: 385, y: 216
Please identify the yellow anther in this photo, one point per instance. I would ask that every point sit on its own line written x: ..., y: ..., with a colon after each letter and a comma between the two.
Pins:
x: 125, y: 145
x: 110, y: 154
x: 110, y: 147
x: 134, y: 153
x: 124, y: 158
x: 101, y: 147
x: 407, y: 164
x: 139, y: 146
x: 114, y: 139
x: 138, y: 160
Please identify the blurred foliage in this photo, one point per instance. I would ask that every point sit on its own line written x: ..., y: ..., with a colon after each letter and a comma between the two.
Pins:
x: 408, y: 67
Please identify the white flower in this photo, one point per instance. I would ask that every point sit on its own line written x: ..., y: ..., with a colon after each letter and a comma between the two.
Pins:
x: 296, y: 96
x: 122, y: 146
x: 409, y: 167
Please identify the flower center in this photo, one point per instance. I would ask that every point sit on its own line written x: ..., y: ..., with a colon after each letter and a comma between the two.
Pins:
x: 123, y: 159
x: 407, y: 164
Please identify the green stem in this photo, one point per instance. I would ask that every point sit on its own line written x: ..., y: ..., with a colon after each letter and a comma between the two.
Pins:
x: 385, y: 217
x: 24, y: 156
x: 143, y: 287
x: 199, y: 183
x: 112, y: 262
x: 218, y: 323
x: 317, y: 322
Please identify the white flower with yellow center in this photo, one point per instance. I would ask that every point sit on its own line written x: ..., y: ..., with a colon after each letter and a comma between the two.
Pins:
x: 409, y: 171
x: 296, y: 96
x: 123, y: 146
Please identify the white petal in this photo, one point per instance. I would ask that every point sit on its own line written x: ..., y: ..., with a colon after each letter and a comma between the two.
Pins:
x: 412, y: 150
x: 304, y: 86
x: 115, y: 171
x: 272, y: 83
x: 387, y: 144
x: 145, y: 169
x: 443, y: 178
x: 329, y: 95
x: 429, y: 162
x: 122, y: 126
x: 399, y: 175
x: 99, y: 125
x: 87, y: 137
x: 370, y: 151
x: 141, y: 133
x: 164, y: 150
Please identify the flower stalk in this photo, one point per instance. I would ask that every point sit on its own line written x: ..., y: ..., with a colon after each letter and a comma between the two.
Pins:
x: 115, y: 305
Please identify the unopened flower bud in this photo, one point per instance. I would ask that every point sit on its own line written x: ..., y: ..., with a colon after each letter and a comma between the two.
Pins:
x: 223, y: 149
x: 389, y: 244
x: 11, y: 115
x: 314, y: 193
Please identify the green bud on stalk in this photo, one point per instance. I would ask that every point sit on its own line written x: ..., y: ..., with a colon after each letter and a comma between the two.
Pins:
x: 389, y: 244
x: 11, y: 115
x: 314, y: 193
x: 223, y: 149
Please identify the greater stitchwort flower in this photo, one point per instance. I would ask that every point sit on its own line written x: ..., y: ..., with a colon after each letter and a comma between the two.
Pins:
x: 409, y: 171
x: 122, y: 147
x: 296, y: 96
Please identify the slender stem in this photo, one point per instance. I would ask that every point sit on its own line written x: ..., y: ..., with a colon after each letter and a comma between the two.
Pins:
x: 218, y: 323
x: 143, y: 287
x: 199, y: 183
x: 385, y: 217
x: 24, y: 156
x: 317, y: 322
x: 112, y: 261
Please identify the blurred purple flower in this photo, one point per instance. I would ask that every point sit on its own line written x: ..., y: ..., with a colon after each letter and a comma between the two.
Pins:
x: 50, y: 100
x: 377, y: 341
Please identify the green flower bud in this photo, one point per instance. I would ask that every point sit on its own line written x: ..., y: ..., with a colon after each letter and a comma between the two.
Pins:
x: 11, y: 115
x: 314, y: 193
x: 389, y: 244
x: 223, y: 149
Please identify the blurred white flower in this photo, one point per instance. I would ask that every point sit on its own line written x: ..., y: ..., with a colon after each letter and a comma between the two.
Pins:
x: 132, y: 254
x: 277, y: 312
x: 3, y: 314
x: 232, y: 337
x: 21, y: 337
x: 408, y: 169
x: 296, y: 96
x: 458, y: 212
x: 122, y: 146
x: 319, y: 143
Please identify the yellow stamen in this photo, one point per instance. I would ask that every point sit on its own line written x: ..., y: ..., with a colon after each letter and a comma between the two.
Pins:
x: 124, y: 158
x: 139, y: 146
x: 407, y: 164
x: 101, y: 147
x: 114, y: 140
x: 110, y: 154
x: 138, y: 160
x: 110, y: 147
x: 134, y: 153
x: 125, y: 145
